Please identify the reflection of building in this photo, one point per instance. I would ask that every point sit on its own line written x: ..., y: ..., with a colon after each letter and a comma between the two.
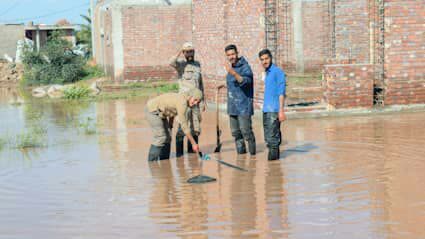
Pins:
x: 10, y: 34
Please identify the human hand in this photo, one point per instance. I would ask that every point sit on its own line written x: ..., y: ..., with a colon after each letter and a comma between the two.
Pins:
x: 228, y: 67
x: 282, y: 116
x: 195, y: 148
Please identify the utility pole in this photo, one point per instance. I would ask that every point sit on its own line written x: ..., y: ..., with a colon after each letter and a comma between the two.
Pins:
x: 93, y: 45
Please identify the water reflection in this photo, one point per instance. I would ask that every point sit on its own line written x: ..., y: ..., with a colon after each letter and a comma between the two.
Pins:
x: 355, y: 177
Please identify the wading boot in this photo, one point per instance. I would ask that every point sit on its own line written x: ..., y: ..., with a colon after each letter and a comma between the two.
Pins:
x: 189, y: 144
x: 179, y: 146
x: 154, y: 153
x: 252, y: 147
x: 274, y: 154
x: 240, y: 146
x: 165, y: 152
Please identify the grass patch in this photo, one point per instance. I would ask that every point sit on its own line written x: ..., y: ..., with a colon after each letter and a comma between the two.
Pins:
x: 168, y: 88
x: 81, y: 92
x: 29, y: 140
x: 138, y: 89
x: 2, y: 144
x: 76, y: 92
x: 88, y: 126
x: 304, y: 80
x: 157, y: 86
x: 35, y: 137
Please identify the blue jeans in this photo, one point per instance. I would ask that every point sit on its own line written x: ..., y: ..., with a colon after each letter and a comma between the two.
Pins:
x: 241, y: 127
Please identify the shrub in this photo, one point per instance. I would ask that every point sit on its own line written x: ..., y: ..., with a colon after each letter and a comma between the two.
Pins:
x: 91, y: 72
x: 54, y: 64
x: 34, y: 137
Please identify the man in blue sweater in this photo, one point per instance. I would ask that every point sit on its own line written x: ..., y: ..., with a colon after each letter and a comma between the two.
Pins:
x: 240, y: 97
x: 274, y: 102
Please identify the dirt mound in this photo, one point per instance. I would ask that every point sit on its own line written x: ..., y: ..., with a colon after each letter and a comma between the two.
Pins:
x: 10, y: 73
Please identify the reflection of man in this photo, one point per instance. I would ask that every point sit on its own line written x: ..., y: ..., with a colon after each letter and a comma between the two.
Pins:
x: 189, y: 72
x: 160, y: 112
x: 188, y: 204
x: 274, y: 102
x: 240, y: 95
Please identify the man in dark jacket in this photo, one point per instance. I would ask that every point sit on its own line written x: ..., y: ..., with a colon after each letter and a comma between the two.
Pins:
x: 240, y: 97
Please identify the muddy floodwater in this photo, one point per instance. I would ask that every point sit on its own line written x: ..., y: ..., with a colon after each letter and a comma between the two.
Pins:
x: 88, y: 177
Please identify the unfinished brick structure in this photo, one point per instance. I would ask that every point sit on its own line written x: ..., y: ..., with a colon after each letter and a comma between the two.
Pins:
x: 386, y: 37
x: 404, y: 52
x: 137, y: 38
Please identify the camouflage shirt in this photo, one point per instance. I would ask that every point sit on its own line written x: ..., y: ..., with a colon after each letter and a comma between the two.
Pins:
x: 189, y: 74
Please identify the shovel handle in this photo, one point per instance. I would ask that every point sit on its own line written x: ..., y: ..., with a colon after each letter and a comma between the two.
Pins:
x: 217, y: 117
x: 217, y: 108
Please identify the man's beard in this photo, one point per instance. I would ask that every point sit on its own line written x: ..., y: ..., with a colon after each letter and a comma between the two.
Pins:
x: 268, y: 67
x: 190, y: 59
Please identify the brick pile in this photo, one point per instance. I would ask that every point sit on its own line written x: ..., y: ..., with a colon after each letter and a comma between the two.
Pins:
x: 10, y: 73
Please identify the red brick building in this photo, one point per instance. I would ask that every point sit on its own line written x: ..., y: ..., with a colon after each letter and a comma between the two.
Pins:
x: 135, y: 39
x: 370, y: 51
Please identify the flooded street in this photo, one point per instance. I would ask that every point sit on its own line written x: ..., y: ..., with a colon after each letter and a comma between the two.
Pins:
x: 349, y: 177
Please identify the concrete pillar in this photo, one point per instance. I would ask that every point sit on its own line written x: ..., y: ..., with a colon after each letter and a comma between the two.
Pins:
x: 117, y: 41
x: 298, y: 34
x: 74, y: 41
x: 93, y: 44
x: 37, y: 40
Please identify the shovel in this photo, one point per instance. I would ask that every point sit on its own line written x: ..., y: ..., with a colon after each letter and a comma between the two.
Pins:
x: 201, y: 178
x: 217, y: 120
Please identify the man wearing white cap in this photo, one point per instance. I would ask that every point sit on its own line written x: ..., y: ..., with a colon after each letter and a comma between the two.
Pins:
x: 189, y: 73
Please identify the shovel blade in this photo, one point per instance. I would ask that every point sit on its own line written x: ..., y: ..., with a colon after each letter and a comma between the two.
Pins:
x: 201, y: 179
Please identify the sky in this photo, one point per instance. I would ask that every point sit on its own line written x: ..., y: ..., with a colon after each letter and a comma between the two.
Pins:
x: 42, y: 11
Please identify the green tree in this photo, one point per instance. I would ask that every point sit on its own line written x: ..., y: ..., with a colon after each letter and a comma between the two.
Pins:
x: 54, y: 64
x: 84, y: 35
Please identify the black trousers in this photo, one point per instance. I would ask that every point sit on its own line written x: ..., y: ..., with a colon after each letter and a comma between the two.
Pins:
x: 272, y: 134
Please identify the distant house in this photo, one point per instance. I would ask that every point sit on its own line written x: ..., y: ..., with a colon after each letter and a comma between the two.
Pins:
x: 11, y: 34
x: 39, y: 34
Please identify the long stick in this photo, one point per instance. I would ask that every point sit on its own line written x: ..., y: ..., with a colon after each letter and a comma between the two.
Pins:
x: 225, y: 163
x: 230, y: 165
x: 217, y: 119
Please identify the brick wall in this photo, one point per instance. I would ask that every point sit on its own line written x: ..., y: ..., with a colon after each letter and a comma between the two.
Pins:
x: 151, y: 36
x: 104, y: 54
x: 405, y: 52
x: 108, y: 46
x: 352, y: 31
x: 9, y: 35
x: 315, y: 34
x: 348, y: 86
x: 217, y: 24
